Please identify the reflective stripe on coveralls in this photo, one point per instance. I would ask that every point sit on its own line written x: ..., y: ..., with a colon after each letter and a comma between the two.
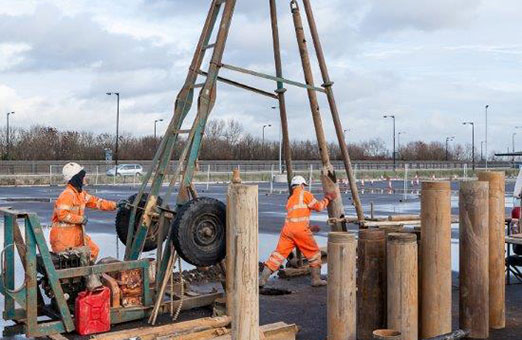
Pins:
x: 296, y: 230
x: 66, y: 231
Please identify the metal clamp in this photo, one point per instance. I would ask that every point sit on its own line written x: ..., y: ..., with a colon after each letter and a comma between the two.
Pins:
x: 18, y: 290
x: 294, y: 6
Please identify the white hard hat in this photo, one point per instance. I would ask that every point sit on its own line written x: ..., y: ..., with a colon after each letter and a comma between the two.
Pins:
x: 71, y: 169
x: 298, y: 180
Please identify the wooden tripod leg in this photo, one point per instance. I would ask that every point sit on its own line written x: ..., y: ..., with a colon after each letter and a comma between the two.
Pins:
x: 281, y: 93
x: 327, y: 84
x: 329, y: 180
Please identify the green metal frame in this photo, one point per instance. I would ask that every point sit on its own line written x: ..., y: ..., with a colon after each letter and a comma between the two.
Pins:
x: 28, y: 297
x: 161, y: 169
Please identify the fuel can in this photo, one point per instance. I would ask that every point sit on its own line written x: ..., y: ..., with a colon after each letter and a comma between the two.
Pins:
x: 92, y: 311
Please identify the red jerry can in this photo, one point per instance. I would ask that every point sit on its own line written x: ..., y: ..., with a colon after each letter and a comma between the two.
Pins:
x: 92, y: 312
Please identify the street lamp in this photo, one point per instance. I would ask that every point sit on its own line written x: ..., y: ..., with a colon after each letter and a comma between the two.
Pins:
x: 116, y: 155
x: 280, y: 143
x: 516, y: 128
x: 344, y: 133
x: 155, y: 123
x: 263, y: 143
x: 481, y: 150
x: 399, y: 141
x: 486, y: 141
x: 394, y: 156
x: 472, y: 142
x: 7, y: 136
x: 447, y: 140
x: 513, y: 141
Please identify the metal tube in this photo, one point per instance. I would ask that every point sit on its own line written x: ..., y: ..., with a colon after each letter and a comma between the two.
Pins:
x: 267, y: 76
x: 116, y: 154
x: 281, y: 95
x: 486, y: 141
x: 394, y: 153
x: 241, y: 86
x: 336, y: 208
x: 333, y: 109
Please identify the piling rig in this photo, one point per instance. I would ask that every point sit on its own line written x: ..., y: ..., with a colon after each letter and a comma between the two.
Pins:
x: 194, y: 227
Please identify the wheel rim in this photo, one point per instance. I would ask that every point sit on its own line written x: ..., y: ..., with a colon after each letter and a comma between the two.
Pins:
x: 207, y: 230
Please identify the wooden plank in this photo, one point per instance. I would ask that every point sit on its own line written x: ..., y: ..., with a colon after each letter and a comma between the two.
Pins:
x: 166, y: 329
x: 274, y: 331
x: 57, y: 337
x: 513, y: 240
x: 279, y: 331
x: 293, y: 272
x: 203, y: 335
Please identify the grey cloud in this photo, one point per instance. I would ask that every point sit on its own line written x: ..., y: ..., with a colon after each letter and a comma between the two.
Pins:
x: 396, y: 15
x: 60, y: 42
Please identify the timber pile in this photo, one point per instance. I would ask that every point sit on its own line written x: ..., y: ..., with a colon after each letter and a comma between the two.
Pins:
x: 200, y: 329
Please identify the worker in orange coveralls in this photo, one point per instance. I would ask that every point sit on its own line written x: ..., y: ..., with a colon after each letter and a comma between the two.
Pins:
x: 297, y: 232
x: 69, y: 216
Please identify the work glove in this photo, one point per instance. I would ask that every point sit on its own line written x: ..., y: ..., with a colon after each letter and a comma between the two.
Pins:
x: 84, y: 220
x: 330, y: 196
x: 123, y: 204
x: 315, y: 228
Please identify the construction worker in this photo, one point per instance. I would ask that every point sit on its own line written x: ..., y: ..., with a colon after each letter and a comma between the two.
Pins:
x: 297, y: 232
x: 69, y: 219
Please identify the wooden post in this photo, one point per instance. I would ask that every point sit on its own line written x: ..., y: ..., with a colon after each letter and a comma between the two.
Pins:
x: 371, y: 282
x: 341, y: 286
x: 435, y: 254
x: 242, y: 261
x: 474, y: 259
x: 402, y: 284
x: 497, y: 278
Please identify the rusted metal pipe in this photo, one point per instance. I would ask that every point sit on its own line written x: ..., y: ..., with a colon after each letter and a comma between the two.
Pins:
x: 327, y: 84
x: 329, y: 179
x: 281, y: 93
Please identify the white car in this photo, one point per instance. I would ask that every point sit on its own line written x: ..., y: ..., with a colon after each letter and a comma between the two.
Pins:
x: 126, y: 170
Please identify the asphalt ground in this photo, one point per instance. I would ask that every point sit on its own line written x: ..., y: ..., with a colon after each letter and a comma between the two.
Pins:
x: 306, y: 306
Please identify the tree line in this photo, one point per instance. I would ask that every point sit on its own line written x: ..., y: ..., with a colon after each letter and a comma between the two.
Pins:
x: 224, y: 140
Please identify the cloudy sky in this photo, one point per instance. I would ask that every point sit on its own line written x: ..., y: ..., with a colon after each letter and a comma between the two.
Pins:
x: 434, y: 64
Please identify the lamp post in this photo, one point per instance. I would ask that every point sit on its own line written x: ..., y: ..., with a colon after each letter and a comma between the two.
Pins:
x: 399, y: 142
x: 155, y: 123
x: 472, y: 142
x: 344, y: 133
x: 280, y: 144
x: 481, y: 150
x: 486, y: 141
x: 447, y: 140
x: 513, y: 144
x: 516, y: 128
x: 116, y: 155
x: 8, y: 142
x: 394, y: 156
x: 263, y: 143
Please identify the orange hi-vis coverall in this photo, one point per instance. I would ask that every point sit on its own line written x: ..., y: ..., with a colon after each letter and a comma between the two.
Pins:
x: 296, y: 231
x: 66, y: 231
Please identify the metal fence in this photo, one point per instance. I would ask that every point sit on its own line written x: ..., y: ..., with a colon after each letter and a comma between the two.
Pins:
x: 47, y: 173
x: 101, y: 167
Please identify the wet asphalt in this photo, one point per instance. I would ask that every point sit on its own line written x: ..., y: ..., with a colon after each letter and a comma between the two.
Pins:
x: 306, y: 306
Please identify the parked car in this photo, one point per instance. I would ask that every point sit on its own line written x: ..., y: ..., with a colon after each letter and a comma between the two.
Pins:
x: 126, y: 170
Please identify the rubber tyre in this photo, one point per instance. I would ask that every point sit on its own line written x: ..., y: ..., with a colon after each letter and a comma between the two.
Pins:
x: 122, y: 223
x: 192, y: 220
